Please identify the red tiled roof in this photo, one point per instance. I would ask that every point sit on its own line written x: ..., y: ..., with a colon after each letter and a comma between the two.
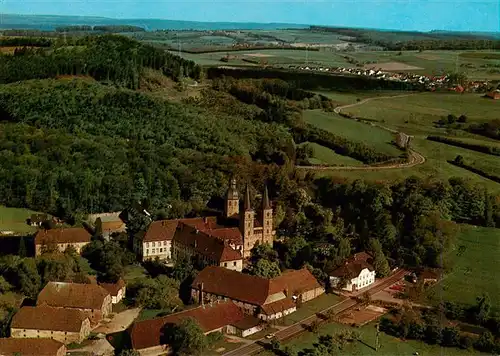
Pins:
x: 164, y: 230
x: 351, y: 268
x: 295, y: 282
x: 232, y: 234
x: 234, y: 285
x: 72, y: 295
x: 361, y: 256
x: 48, y: 318
x: 30, y: 347
x: 206, y: 245
x: 148, y: 333
x: 113, y: 226
x: 277, y: 306
x: 113, y: 288
x: 58, y: 236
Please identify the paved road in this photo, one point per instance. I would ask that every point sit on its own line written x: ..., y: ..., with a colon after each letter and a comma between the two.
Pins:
x: 414, y: 158
x: 120, y: 322
x: 298, y: 328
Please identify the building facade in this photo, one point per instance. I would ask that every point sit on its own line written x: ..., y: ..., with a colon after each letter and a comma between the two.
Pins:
x: 61, y: 239
x: 61, y: 324
x: 92, y: 299
x: 356, y: 273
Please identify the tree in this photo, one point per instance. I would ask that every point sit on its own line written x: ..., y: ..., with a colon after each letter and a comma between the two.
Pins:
x: 263, y: 251
x: 459, y: 160
x: 265, y: 268
x: 483, y: 307
x: 185, y: 338
x: 486, y: 342
x: 462, y: 118
x: 22, y: 252
x: 450, y: 336
x: 161, y: 292
x: 28, y: 280
x: 451, y: 119
x: 4, y: 285
x: 379, y: 261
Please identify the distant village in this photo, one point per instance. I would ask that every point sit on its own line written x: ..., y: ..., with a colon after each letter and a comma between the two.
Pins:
x: 225, y: 299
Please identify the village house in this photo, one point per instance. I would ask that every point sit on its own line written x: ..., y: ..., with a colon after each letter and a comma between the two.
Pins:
x: 116, y: 290
x: 31, y: 347
x: 357, y: 272
x: 238, y: 228
x: 89, y: 298
x: 268, y: 299
x: 63, y: 325
x: 494, y: 94
x: 147, y: 336
x: 37, y: 219
x: 108, y: 225
x: 61, y: 239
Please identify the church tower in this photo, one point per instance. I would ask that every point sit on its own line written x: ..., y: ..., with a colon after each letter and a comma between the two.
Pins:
x: 247, y: 218
x: 267, y: 219
x: 232, y: 204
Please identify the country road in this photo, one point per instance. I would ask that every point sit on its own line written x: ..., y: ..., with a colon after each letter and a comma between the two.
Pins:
x: 414, y: 159
x: 299, y: 327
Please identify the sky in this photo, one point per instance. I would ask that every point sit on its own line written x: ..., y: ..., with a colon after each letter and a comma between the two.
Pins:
x: 422, y: 15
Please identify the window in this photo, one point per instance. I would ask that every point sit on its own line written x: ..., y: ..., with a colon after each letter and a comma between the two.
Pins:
x: 154, y: 250
x: 154, y: 244
x: 161, y: 250
x: 225, y: 264
x: 234, y: 263
x: 147, y: 252
x: 164, y: 243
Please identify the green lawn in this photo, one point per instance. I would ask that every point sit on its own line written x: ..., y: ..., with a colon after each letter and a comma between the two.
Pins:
x: 416, y: 114
x: 312, y: 307
x: 133, y: 272
x: 375, y: 137
x: 14, y: 219
x: 390, y: 346
x: 345, y: 98
x: 324, y: 156
x: 474, y: 258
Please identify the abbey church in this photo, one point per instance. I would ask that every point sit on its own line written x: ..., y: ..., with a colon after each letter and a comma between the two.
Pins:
x: 252, y: 228
x: 215, y: 240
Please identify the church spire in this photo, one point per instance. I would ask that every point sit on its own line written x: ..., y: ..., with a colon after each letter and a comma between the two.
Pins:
x: 265, y: 199
x: 246, y: 204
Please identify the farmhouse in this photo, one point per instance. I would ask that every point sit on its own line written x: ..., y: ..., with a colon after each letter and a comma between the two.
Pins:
x: 63, y: 325
x: 61, y: 239
x: 89, y: 298
x: 356, y: 273
x: 116, y: 290
x: 31, y: 347
x: 147, y: 336
x: 267, y: 299
x: 239, y: 230
x: 37, y: 219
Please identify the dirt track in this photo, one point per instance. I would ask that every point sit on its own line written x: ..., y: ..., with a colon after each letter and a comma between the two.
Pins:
x: 415, y: 158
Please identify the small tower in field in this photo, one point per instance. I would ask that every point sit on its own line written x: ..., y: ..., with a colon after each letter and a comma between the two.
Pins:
x: 232, y: 204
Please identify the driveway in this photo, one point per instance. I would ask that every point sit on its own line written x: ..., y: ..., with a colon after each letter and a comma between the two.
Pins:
x: 120, y: 322
x: 97, y: 348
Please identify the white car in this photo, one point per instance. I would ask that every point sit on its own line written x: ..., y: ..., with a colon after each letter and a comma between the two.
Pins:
x: 270, y: 336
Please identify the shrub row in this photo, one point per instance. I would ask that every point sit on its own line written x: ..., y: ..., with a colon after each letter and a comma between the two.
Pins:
x: 475, y: 147
x: 482, y: 173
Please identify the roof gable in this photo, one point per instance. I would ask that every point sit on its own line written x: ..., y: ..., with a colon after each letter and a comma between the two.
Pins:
x: 29, y: 347
x: 72, y: 295
x: 148, y: 333
x: 48, y: 318
x: 58, y: 236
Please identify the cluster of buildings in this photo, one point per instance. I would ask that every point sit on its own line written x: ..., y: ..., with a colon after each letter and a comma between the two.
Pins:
x: 228, y: 300
x: 233, y: 303
x: 428, y: 82
x: 64, y: 313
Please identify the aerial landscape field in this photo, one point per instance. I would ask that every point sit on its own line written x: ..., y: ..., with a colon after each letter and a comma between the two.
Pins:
x: 241, y: 188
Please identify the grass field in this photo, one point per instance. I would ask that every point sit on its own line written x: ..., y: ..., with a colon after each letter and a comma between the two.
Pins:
x: 312, y: 307
x: 325, y: 156
x: 390, y: 346
x: 353, y: 130
x: 416, y: 115
x: 14, y: 219
x: 472, y: 269
x: 345, y: 98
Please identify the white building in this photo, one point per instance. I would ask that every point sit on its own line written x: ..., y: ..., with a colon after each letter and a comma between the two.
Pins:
x: 356, y: 273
